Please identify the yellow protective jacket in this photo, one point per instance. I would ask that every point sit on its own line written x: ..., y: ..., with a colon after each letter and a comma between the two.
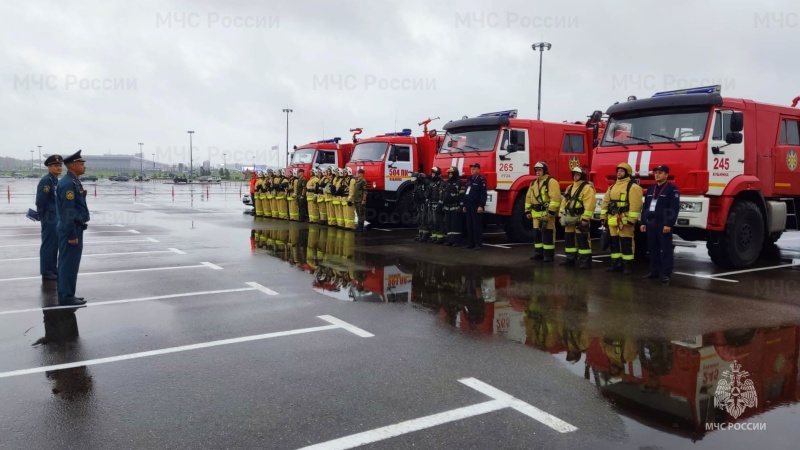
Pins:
x: 544, y: 194
x: 311, y: 187
x: 618, y: 206
x: 579, y: 201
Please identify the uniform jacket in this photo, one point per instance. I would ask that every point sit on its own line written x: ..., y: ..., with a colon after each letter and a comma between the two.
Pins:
x: 452, y: 194
x: 476, y: 191
x: 631, y: 207
x: 73, y: 213
x: 357, y: 190
x: 579, y: 201
x: 46, y: 198
x: 667, y: 199
x: 545, y: 191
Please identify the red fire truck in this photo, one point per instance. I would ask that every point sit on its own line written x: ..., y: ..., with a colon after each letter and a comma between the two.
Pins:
x: 320, y: 155
x: 507, y: 148
x: 389, y: 160
x: 734, y: 161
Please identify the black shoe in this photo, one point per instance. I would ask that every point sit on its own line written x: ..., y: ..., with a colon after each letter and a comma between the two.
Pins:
x: 49, y: 277
x: 477, y: 247
x: 536, y: 257
x: 650, y: 276
x: 665, y: 279
x: 448, y: 243
x: 75, y: 301
x: 567, y: 262
x: 626, y: 270
x: 469, y: 247
x: 586, y: 263
x: 615, y: 267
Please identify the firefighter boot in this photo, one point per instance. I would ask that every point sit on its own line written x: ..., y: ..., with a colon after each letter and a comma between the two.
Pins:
x: 570, y: 261
x: 537, y: 256
x: 616, y: 266
x: 549, y: 256
x: 585, y: 262
x: 627, y: 267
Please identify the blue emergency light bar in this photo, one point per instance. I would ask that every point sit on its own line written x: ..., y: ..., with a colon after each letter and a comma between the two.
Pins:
x: 511, y: 113
x: 699, y: 90
x: 330, y: 141
x: 405, y: 132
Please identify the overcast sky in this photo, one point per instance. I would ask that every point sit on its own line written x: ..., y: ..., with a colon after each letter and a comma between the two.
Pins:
x: 104, y: 76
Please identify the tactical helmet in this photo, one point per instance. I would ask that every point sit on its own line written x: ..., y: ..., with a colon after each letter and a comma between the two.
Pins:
x: 627, y: 167
x: 579, y: 169
x: 542, y: 165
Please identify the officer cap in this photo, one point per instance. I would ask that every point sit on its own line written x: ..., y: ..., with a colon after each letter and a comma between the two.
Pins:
x: 476, y: 165
x: 75, y: 157
x: 661, y: 168
x: 53, y: 159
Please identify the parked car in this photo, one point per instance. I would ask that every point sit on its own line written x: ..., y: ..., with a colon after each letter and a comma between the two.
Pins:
x: 141, y: 178
x: 122, y: 178
x: 88, y: 178
x: 247, y: 200
x: 180, y: 179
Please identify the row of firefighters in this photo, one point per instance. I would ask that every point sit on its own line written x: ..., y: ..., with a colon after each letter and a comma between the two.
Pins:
x: 439, y: 204
x: 333, y: 197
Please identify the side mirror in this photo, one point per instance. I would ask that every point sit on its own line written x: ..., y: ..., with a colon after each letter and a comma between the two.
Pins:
x: 393, y: 154
x: 511, y: 148
x: 512, y: 138
x: 737, y: 122
x: 734, y: 137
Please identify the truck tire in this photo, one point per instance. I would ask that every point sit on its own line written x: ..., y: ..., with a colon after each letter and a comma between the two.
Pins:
x: 740, y: 244
x: 519, y: 228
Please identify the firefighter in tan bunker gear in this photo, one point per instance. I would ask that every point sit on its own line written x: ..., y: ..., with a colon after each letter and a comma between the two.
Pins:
x: 311, y: 197
x: 621, y: 208
x: 542, y: 203
x: 577, y: 207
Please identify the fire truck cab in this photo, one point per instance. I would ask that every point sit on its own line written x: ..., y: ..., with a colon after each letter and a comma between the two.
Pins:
x: 733, y: 160
x: 320, y: 155
x: 507, y: 148
x: 389, y: 162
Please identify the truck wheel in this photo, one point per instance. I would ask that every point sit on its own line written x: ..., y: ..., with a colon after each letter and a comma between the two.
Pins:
x: 740, y: 244
x: 519, y: 228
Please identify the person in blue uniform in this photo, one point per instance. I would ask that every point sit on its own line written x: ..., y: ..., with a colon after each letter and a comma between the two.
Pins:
x: 73, y: 216
x: 474, y: 203
x: 659, y: 214
x: 46, y: 209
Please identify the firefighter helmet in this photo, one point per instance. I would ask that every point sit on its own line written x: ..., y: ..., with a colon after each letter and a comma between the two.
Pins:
x: 627, y: 167
x: 436, y: 171
x: 260, y: 174
x: 350, y: 171
x: 282, y: 172
x: 579, y: 170
x: 341, y: 172
x: 453, y: 170
x: 541, y: 165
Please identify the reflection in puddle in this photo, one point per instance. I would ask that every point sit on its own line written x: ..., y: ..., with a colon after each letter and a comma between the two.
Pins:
x: 682, y: 385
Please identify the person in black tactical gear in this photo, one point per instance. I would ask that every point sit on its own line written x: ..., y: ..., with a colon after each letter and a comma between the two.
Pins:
x: 435, y: 213
x: 419, y: 196
x: 452, y: 194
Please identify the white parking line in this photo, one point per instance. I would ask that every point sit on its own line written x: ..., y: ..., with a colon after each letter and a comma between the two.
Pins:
x: 253, y: 287
x: 90, y: 241
x: 261, y: 288
x: 149, y: 269
x: 496, y: 245
x: 595, y: 260
x: 706, y: 277
x: 85, y: 255
x: 164, y: 351
x: 717, y: 276
x: 175, y: 250
x: 500, y: 400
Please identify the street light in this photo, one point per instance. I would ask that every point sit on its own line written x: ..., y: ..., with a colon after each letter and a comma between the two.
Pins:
x: 31, y: 161
x: 287, y: 111
x: 154, y: 162
x: 141, y: 160
x: 191, y: 171
x: 541, y: 46
x: 40, y: 158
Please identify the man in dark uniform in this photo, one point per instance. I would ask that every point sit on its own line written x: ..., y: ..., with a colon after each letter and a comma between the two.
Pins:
x: 474, y: 202
x: 73, y: 215
x: 659, y: 214
x: 46, y: 208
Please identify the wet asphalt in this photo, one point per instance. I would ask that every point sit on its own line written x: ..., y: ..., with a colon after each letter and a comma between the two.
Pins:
x: 206, y: 328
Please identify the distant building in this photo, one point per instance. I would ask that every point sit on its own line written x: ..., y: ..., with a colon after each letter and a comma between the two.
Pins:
x: 119, y: 163
x: 207, y: 165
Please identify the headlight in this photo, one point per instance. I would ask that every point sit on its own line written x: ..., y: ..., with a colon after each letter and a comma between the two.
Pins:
x: 374, y: 184
x: 691, y: 207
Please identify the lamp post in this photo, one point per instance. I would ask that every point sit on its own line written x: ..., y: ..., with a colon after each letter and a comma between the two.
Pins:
x: 224, y: 163
x: 287, y: 111
x: 154, y: 163
x: 191, y: 169
x: 40, y: 158
x: 141, y: 161
x: 31, y: 161
x: 541, y: 46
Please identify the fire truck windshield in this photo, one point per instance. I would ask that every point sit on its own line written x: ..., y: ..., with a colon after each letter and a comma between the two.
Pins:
x: 461, y: 141
x: 369, y: 151
x: 655, y: 127
x: 303, y: 156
